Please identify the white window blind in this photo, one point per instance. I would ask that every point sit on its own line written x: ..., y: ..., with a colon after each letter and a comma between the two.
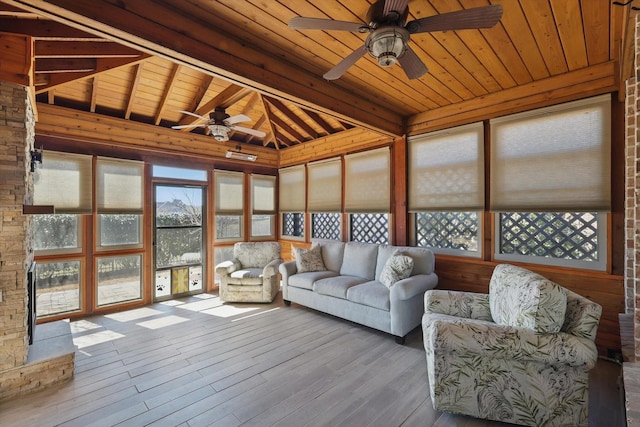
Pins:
x: 368, y: 182
x: 263, y: 194
x: 229, y: 188
x: 120, y: 186
x: 292, y: 189
x: 446, y: 170
x: 325, y: 186
x: 553, y: 159
x: 65, y: 180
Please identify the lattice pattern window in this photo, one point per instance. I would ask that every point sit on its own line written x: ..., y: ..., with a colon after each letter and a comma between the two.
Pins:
x: 293, y: 224
x: 447, y: 230
x: 370, y: 228
x: 326, y: 226
x: 570, y: 236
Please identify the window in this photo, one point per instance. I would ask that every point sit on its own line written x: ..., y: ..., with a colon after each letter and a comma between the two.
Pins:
x: 229, y: 192
x: 325, y: 198
x: 119, y: 212
x: 292, y: 201
x: 263, y: 205
x: 446, y: 189
x: 179, y: 173
x: 368, y: 195
x: 64, y: 180
x: 119, y: 279
x: 369, y: 228
x: 58, y: 287
x: 326, y: 226
x: 57, y: 234
x: 551, y: 182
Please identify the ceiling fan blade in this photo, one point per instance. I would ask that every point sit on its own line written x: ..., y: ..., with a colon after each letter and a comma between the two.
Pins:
x: 300, y: 23
x: 195, y: 115
x: 478, y: 17
x: 237, y: 119
x: 250, y: 131
x: 397, y: 5
x: 412, y: 65
x: 347, y: 62
x: 188, y: 126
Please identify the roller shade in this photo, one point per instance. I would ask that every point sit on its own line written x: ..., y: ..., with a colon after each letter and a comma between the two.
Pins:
x: 65, y: 180
x: 263, y: 194
x: 553, y: 159
x: 120, y: 186
x: 229, y: 189
x: 292, y: 189
x: 446, y: 170
x: 325, y: 186
x: 368, y: 182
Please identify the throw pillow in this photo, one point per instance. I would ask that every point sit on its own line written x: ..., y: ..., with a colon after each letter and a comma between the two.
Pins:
x: 309, y: 259
x: 397, y: 267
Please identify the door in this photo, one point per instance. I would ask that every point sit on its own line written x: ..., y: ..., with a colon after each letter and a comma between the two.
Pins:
x: 179, y: 249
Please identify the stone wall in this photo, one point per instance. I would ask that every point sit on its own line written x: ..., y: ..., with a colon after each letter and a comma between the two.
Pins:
x: 16, y: 140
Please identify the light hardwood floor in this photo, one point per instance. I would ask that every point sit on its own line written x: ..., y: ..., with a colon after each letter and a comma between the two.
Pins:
x: 198, y: 362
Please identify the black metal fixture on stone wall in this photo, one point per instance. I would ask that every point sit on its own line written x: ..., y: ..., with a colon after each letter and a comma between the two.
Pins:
x: 36, y: 157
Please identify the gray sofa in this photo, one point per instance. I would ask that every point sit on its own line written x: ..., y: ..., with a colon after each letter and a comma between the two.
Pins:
x: 348, y: 285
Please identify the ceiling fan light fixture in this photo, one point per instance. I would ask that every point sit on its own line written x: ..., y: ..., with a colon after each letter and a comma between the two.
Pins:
x: 219, y: 132
x: 387, y: 44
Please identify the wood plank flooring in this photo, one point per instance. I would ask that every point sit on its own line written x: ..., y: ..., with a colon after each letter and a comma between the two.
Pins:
x: 198, y: 362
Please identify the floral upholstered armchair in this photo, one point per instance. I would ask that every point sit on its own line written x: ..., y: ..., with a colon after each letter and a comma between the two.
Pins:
x: 520, y: 354
x: 252, y: 274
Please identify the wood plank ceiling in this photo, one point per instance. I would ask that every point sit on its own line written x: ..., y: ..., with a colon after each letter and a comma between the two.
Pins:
x: 146, y: 61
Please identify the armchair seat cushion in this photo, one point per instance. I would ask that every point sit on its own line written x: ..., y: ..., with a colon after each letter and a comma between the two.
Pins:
x: 247, y: 273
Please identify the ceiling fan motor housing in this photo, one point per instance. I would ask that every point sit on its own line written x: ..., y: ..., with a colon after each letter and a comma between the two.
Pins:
x: 387, y: 44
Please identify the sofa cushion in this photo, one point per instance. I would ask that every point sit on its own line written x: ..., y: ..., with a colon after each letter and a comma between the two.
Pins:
x: 373, y: 294
x: 423, y: 259
x: 336, y: 286
x: 308, y: 259
x: 306, y: 280
x: 396, y: 268
x: 360, y: 260
x: 332, y: 253
x: 524, y: 299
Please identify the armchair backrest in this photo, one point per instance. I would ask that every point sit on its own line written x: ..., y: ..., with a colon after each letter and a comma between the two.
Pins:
x: 256, y: 254
x: 519, y: 297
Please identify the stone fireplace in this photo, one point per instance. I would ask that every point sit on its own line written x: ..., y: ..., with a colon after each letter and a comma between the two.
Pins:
x: 50, y: 360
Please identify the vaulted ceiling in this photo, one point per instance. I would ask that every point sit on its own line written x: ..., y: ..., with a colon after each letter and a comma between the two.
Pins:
x: 147, y: 61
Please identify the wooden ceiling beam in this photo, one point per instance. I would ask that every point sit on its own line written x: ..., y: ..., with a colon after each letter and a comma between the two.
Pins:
x: 320, y: 121
x: 224, y: 99
x: 202, y: 91
x: 65, y: 65
x: 102, y: 65
x: 133, y: 89
x: 44, y: 29
x: 288, y: 129
x: 268, y: 115
x: 293, y: 117
x: 160, y: 29
x: 85, y: 49
x: 94, y: 93
x: 166, y: 93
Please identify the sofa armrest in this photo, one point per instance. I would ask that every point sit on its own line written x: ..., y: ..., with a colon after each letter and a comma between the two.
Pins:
x: 472, y: 337
x: 271, y: 269
x: 287, y: 268
x: 469, y: 305
x: 413, y: 285
x: 225, y: 268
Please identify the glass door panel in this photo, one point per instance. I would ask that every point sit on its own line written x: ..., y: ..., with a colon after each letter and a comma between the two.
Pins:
x: 179, y: 234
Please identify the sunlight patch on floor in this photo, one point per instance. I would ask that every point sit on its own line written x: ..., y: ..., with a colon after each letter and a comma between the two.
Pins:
x: 80, y: 326
x: 138, y: 313
x: 201, y: 305
x: 256, y: 314
x: 225, y: 311
x: 96, y: 338
x: 162, y: 322
x: 172, y: 303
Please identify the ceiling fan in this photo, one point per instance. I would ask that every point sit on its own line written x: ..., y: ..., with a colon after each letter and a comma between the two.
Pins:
x: 220, y: 124
x: 389, y: 33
